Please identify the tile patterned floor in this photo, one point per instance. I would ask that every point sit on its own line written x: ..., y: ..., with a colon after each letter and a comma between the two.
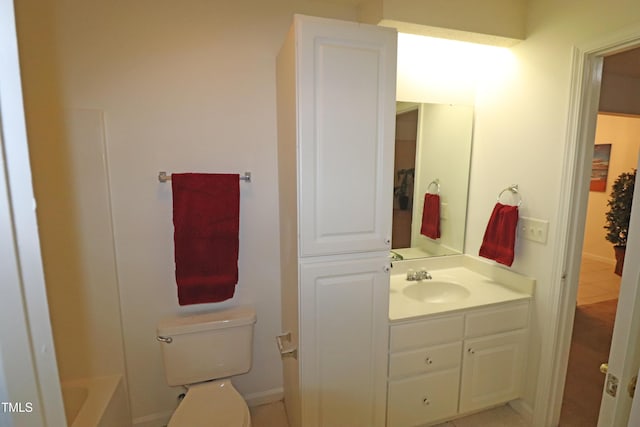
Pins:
x: 269, y: 415
x: 273, y: 415
x: 502, y: 416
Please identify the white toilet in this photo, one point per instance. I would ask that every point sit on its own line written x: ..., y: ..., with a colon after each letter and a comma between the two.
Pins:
x: 200, y: 348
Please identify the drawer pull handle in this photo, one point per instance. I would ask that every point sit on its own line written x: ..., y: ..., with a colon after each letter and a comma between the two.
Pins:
x: 425, y: 401
x: 428, y: 361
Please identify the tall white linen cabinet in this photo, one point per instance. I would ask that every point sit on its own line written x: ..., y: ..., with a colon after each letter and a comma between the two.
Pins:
x: 336, y: 122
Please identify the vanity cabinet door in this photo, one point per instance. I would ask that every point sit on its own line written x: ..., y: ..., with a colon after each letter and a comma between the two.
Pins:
x: 419, y: 400
x: 492, y: 370
x: 343, y: 342
x: 346, y: 110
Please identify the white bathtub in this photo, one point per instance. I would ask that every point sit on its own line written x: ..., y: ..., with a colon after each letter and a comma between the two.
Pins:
x: 96, y: 402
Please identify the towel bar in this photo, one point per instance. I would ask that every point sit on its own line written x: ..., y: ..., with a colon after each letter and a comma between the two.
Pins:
x: 164, y: 177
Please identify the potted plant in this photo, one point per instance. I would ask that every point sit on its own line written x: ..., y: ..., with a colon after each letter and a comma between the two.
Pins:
x: 619, y: 215
x: 401, y: 191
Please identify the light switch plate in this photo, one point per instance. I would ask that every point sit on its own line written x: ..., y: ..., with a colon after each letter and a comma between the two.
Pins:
x: 444, y: 210
x: 533, y: 229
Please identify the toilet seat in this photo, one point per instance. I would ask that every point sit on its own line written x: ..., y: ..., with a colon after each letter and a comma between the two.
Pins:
x: 211, y: 404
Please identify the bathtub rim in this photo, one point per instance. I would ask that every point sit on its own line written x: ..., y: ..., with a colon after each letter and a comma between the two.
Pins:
x: 101, y: 391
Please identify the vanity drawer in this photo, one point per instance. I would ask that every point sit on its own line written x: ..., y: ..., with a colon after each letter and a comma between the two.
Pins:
x: 496, y: 320
x: 419, y: 400
x: 426, y: 333
x: 425, y: 360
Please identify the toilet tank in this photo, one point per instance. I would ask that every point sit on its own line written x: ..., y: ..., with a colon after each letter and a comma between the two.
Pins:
x: 207, y: 346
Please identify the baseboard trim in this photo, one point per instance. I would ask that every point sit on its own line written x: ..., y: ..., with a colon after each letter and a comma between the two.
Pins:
x: 600, y: 258
x: 523, y: 408
x: 264, y: 397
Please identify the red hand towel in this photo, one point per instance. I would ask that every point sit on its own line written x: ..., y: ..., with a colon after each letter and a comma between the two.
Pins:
x: 500, y: 237
x: 431, y: 216
x: 206, y: 219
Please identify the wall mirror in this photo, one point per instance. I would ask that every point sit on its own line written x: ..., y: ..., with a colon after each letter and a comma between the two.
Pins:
x: 432, y: 154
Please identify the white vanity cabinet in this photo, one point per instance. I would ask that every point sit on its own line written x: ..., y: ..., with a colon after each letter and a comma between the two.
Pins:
x: 494, y: 356
x: 336, y: 119
x: 444, y: 366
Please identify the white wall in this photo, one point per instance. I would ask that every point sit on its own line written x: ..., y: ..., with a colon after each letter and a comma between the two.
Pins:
x: 186, y: 86
x: 520, y: 135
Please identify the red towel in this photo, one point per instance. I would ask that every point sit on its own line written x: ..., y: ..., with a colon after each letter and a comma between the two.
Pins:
x: 431, y: 216
x: 500, y: 237
x: 206, y: 219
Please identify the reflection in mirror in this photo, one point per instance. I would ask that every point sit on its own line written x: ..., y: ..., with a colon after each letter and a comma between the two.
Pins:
x: 433, y: 144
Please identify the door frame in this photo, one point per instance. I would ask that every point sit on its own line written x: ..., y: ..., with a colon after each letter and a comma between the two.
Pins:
x: 586, y: 74
x: 28, y: 372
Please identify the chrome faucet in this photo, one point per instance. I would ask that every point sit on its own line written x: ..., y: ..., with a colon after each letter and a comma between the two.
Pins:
x: 395, y: 256
x: 418, y: 275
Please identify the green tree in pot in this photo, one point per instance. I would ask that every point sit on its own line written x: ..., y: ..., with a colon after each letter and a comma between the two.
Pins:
x: 619, y: 215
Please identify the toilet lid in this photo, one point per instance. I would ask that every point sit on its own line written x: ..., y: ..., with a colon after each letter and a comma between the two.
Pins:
x: 212, y: 404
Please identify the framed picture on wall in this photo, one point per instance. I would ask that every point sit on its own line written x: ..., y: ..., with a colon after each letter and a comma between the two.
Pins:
x: 600, y: 167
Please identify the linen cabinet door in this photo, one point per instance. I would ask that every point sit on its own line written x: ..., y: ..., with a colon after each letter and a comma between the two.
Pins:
x: 343, y: 342
x: 346, y: 112
x: 492, y: 370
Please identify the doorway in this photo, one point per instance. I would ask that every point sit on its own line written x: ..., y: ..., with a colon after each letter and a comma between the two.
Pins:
x: 617, y: 141
x: 404, y: 173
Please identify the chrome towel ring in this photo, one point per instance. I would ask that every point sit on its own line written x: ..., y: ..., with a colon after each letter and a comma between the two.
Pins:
x: 435, y: 182
x: 513, y: 188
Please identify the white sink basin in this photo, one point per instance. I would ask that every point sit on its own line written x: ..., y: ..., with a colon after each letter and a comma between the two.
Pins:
x: 436, y: 291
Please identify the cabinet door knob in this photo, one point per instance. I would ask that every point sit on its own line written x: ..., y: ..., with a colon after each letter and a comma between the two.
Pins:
x: 386, y: 268
x: 387, y: 241
x: 471, y: 351
x: 428, y: 361
x: 425, y: 401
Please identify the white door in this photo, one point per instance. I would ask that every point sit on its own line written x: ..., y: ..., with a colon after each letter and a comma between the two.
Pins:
x: 634, y: 418
x: 624, y: 358
x: 346, y: 110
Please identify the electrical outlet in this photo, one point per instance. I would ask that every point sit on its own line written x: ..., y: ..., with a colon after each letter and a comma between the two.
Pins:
x: 533, y: 229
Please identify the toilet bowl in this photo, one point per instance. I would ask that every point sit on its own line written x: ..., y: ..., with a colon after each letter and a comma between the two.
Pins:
x: 212, y: 404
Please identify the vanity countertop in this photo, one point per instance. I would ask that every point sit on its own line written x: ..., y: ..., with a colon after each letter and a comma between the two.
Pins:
x: 457, y: 283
